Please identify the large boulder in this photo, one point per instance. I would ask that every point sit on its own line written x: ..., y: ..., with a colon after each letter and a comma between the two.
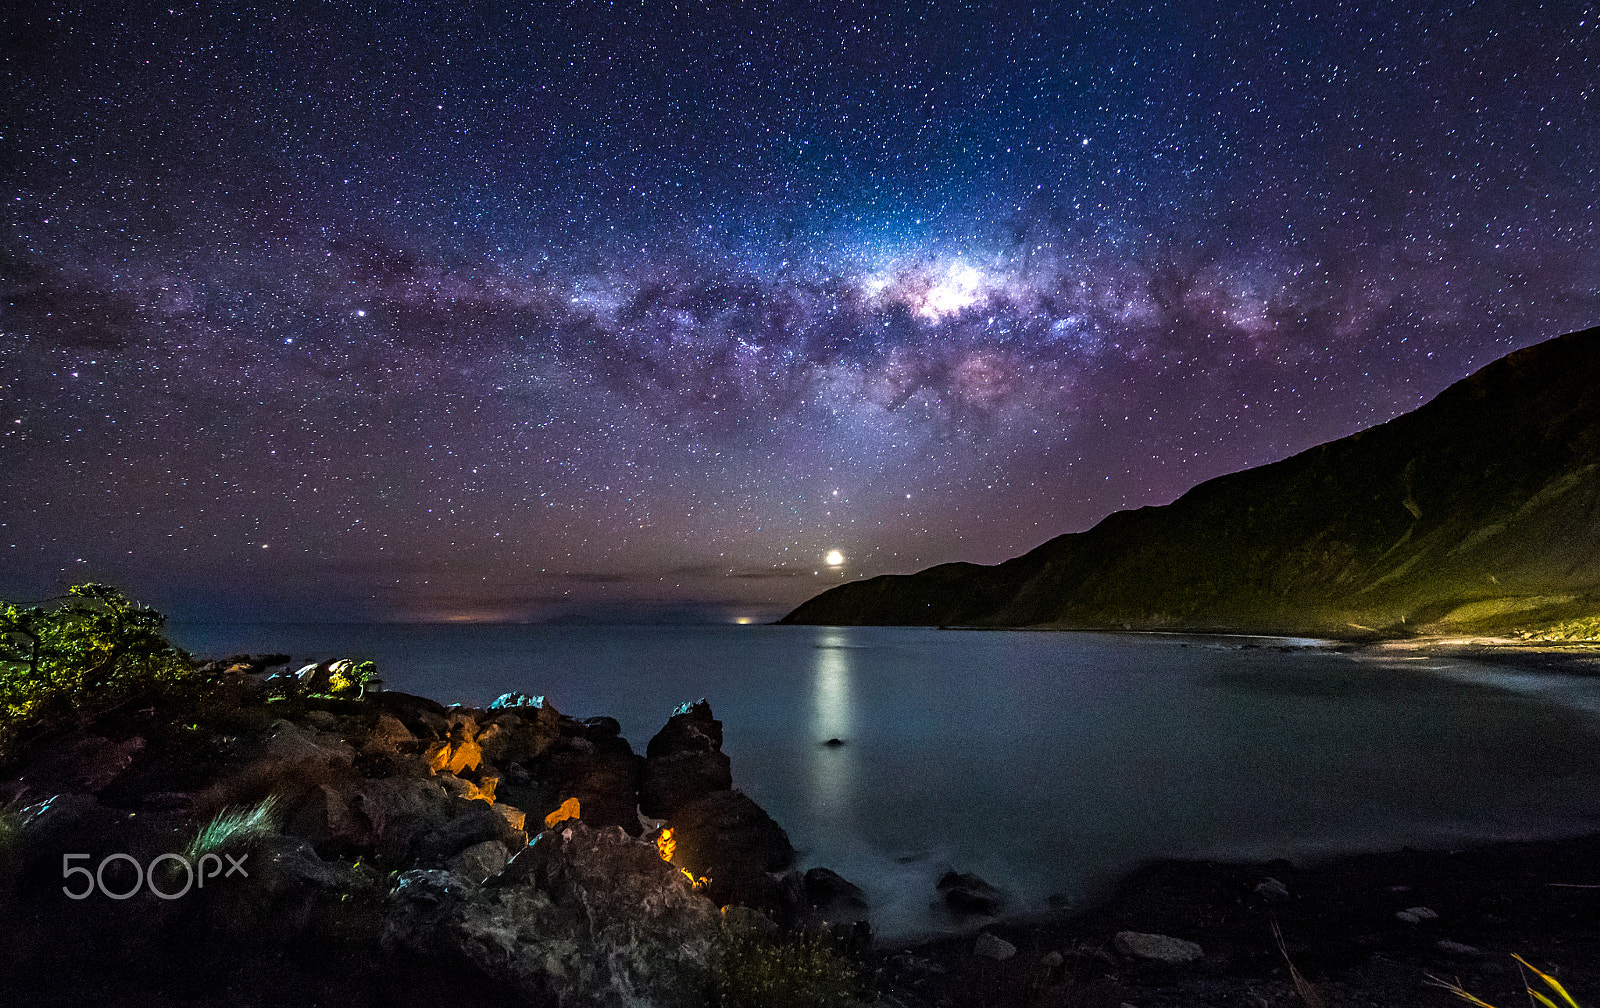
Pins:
x: 590, y: 762
x: 475, y: 823
x: 580, y: 917
x: 684, y: 762
x: 726, y: 837
x: 400, y: 811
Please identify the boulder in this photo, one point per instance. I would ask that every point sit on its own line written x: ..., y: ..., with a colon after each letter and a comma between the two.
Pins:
x: 520, y: 734
x: 992, y: 947
x: 79, y: 762
x: 480, y: 861
x: 595, y: 767
x: 967, y: 894
x: 580, y: 917
x: 400, y: 811
x: 474, y: 824
x: 831, y: 899
x: 1156, y: 948
x: 726, y: 837
x: 684, y: 762
x: 424, y: 718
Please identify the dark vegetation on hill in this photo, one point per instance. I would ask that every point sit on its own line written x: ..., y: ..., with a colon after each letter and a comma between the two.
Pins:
x: 1476, y: 513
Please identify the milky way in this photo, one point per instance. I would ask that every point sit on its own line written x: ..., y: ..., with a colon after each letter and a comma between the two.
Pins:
x: 585, y: 311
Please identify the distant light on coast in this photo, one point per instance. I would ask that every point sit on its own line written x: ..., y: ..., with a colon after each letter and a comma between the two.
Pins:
x: 742, y: 620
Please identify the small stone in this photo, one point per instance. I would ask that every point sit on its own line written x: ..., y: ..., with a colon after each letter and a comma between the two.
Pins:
x: 1053, y: 959
x: 1157, y: 948
x: 1272, y: 889
x: 1457, y: 949
x: 1415, y: 915
x: 991, y: 947
x: 321, y: 719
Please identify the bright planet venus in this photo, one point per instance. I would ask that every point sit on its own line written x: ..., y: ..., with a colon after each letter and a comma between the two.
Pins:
x: 584, y: 311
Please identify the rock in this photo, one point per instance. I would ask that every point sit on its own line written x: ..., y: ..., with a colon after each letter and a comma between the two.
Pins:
x: 290, y: 762
x: 515, y: 817
x: 474, y: 825
x: 80, y: 762
x: 321, y: 719
x: 1272, y: 889
x: 1458, y: 949
x: 969, y: 894
x: 466, y: 790
x: 480, y: 861
x: 424, y: 718
x: 599, y: 769
x: 1052, y: 959
x: 990, y: 947
x: 834, y: 743
x: 520, y: 734
x: 581, y: 917
x: 400, y: 811
x: 832, y: 899
x: 1156, y: 948
x: 684, y: 762
x: 569, y: 809
x: 1416, y: 915
x: 325, y: 819
x: 728, y: 838
x: 514, y: 700
x: 390, y: 732
x: 742, y: 918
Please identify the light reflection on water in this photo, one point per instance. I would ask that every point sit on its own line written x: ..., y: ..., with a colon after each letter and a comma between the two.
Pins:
x: 1045, y: 762
x: 832, y: 769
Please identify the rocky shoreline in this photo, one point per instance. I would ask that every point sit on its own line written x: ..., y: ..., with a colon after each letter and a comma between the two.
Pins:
x: 515, y: 855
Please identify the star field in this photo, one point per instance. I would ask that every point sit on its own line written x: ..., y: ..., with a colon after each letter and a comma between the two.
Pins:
x: 594, y: 310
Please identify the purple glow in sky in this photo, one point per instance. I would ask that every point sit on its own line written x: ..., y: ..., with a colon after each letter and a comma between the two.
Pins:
x: 530, y: 312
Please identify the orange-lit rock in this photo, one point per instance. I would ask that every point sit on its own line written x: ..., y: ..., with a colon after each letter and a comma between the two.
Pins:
x: 568, y: 810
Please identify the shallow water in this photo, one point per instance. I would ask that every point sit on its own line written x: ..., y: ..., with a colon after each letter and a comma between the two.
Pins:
x: 1047, y: 763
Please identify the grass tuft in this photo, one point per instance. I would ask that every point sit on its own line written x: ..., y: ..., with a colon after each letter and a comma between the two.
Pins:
x: 234, y: 829
x: 1537, y: 996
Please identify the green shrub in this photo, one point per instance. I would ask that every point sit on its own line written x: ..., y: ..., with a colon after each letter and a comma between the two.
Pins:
x: 91, y: 648
x: 755, y: 970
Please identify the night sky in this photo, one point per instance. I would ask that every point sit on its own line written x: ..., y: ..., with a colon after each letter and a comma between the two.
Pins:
x: 527, y: 312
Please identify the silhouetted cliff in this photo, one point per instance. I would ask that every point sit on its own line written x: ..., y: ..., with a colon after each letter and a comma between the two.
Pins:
x: 1478, y: 512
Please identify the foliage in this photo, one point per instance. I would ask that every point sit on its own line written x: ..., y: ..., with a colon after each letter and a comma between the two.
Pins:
x: 93, y: 645
x: 236, y: 829
x: 755, y: 970
x: 1537, y: 996
x: 352, y: 679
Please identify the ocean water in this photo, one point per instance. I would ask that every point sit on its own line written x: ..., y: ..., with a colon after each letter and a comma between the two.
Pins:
x: 1047, y: 763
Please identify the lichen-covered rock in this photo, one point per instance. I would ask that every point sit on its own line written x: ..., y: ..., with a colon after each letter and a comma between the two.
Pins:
x: 581, y: 917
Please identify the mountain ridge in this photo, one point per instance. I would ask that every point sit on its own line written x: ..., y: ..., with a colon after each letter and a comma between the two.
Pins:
x: 1477, y: 512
